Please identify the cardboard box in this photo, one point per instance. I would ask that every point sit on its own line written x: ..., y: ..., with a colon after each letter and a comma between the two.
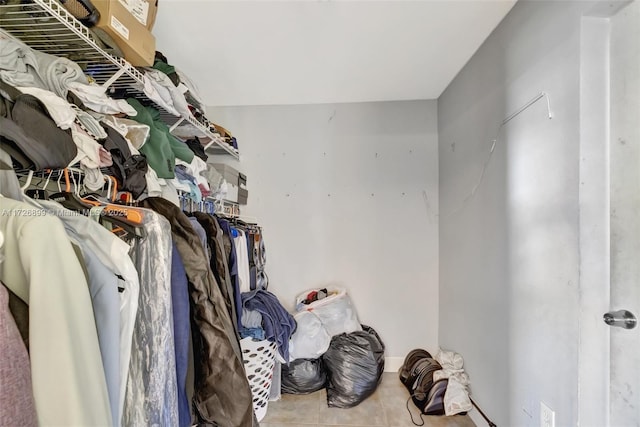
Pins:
x: 134, y: 39
x: 143, y: 10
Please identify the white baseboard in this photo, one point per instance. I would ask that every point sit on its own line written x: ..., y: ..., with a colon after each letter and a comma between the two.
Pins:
x: 477, y: 418
x: 393, y: 364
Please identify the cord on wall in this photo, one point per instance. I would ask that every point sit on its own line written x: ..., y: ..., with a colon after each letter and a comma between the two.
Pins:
x: 495, y: 140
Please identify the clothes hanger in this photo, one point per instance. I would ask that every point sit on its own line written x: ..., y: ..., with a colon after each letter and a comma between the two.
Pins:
x: 71, y: 200
x: 46, y: 183
x: 132, y: 215
x: 31, y: 189
x: 114, y: 188
x: 126, y: 219
x: 28, y: 182
x: 100, y: 196
x: 68, y: 199
x: 109, y: 185
x: 122, y: 218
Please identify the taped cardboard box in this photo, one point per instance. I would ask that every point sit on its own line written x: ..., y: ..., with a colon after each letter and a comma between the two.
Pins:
x: 134, y: 39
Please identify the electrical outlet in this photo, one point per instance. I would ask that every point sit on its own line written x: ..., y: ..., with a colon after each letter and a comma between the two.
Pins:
x: 547, y: 416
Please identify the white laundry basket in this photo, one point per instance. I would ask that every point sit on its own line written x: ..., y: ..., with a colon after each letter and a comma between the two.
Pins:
x: 259, y: 359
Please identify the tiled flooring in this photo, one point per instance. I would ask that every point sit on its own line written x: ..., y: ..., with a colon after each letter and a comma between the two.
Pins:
x: 386, y: 407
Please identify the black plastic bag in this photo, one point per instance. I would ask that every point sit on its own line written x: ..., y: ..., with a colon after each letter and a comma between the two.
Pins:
x: 355, y: 363
x: 303, y: 376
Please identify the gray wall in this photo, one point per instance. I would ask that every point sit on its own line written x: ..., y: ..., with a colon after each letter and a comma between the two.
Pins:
x: 348, y: 193
x: 509, y: 236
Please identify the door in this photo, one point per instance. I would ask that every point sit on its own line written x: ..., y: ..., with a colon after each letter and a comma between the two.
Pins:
x: 624, y: 167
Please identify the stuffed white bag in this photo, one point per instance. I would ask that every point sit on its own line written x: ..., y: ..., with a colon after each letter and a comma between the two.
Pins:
x: 336, y: 312
x: 456, y: 398
x: 310, y: 340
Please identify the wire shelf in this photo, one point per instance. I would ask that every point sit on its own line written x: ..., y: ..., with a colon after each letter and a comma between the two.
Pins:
x: 46, y: 26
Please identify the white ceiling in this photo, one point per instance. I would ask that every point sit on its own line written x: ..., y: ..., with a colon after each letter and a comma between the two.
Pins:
x: 308, y: 52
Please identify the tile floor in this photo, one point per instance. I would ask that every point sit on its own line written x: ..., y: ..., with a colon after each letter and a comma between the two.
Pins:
x: 386, y: 408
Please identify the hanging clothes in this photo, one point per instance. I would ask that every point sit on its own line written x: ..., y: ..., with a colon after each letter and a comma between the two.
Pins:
x: 222, y: 393
x: 181, y: 332
x: 219, y: 264
x: 17, y: 407
x: 242, y: 255
x: 257, y: 257
x: 152, y: 392
x: 202, y: 235
x: 20, y: 312
x: 260, y: 254
x: 252, y: 251
x: 113, y: 253
x: 230, y: 252
x: 69, y: 385
x: 103, y: 288
x: 251, y: 256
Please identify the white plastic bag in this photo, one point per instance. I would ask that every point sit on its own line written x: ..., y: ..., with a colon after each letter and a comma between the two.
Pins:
x: 450, y: 360
x: 456, y: 398
x: 336, y: 312
x: 310, y: 340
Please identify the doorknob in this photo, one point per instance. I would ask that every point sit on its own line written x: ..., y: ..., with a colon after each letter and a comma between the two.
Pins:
x: 621, y: 318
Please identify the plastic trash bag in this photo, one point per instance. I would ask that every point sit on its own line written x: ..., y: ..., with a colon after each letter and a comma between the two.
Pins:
x: 303, y: 376
x: 355, y: 363
x: 336, y: 312
x: 456, y: 398
x: 310, y: 340
x: 450, y: 360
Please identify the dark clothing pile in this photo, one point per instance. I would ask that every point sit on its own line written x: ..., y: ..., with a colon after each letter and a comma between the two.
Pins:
x: 278, y: 324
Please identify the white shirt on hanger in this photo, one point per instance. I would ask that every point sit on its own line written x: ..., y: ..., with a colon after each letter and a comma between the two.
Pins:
x: 242, y: 256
